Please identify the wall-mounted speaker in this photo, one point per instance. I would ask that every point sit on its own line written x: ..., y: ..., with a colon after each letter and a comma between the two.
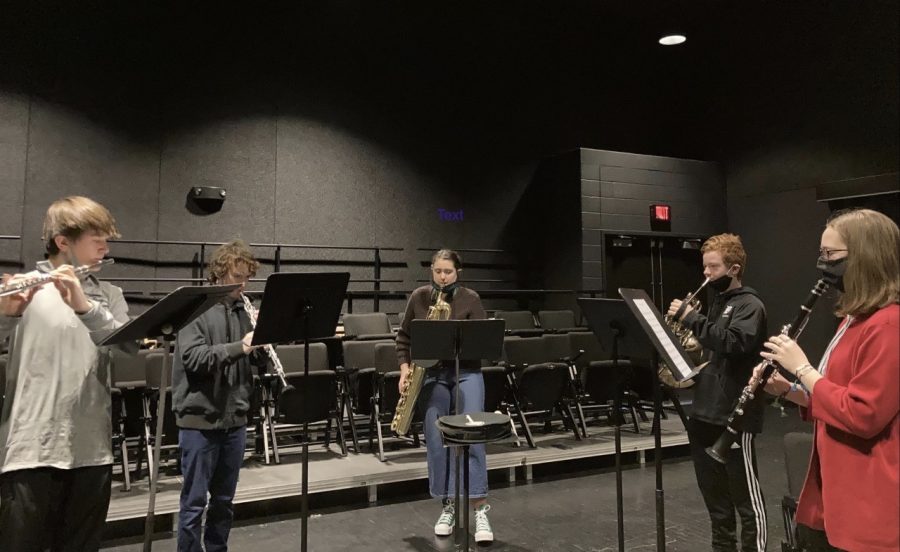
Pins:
x: 205, y: 200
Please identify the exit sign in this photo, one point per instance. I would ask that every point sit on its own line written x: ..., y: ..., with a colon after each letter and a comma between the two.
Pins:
x: 660, y: 217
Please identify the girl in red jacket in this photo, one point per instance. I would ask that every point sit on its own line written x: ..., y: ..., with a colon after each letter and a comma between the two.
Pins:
x: 851, y: 497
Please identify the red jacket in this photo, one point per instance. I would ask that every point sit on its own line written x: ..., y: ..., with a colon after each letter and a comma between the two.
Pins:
x: 852, y: 488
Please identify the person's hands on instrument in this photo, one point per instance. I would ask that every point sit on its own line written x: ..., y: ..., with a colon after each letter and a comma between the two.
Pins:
x: 69, y: 286
x: 786, y: 352
x: 675, y: 305
x: 404, y: 375
x: 246, y: 343
x: 15, y: 304
x: 775, y: 385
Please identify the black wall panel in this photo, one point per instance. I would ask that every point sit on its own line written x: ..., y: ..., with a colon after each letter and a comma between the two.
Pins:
x: 13, y: 151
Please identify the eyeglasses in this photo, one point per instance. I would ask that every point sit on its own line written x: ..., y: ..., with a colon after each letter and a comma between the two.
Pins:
x: 825, y: 253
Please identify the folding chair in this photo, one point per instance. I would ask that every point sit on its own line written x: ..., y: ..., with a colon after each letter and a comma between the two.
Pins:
x: 797, y: 450
x: 384, y: 401
x: 291, y: 357
x: 559, y: 321
x: 496, y: 391
x: 169, y: 438
x: 367, y: 327
x: 519, y: 323
x: 128, y: 378
x: 559, y: 347
x: 359, y: 362
x: 536, y: 384
x: 310, y: 399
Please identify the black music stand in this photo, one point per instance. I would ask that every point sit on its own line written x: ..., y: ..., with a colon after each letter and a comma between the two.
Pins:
x: 459, y: 340
x: 667, y: 347
x: 164, y: 319
x: 619, y: 332
x: 301, y: 307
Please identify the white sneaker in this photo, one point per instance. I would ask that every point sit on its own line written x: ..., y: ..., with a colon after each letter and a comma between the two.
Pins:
x: 483, y: 532
x: 444, y: 525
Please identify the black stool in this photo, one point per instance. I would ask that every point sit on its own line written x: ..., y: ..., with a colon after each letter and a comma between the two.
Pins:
x: 462, y: 431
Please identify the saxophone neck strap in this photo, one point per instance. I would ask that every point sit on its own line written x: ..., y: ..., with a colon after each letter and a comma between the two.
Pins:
x: 448, y: 290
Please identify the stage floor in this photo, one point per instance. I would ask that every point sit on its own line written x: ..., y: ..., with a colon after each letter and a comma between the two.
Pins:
x: 566, y: 508
x: 329, y: 472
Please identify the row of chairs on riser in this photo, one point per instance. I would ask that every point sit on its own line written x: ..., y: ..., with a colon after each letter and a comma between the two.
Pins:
x: 135, y: 389
x: 553, y: 373
x: 535, y: 377
x: 524, y: 323
x: 377, y: 325
x: 591, y: 382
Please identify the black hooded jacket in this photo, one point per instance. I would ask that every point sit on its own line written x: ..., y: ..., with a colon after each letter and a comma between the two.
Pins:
x: 211, y: 377
x: 732, y: 335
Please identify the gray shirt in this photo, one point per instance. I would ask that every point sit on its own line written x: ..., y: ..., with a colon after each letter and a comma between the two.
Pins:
x: 57, y: 407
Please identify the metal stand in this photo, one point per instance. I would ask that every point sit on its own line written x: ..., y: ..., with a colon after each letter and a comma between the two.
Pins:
x: 640, y: 327
x: 304, y: 488
x: 617, y: 409
x: 657, y: 461
x: 310, y: 303
x: 167, y: 338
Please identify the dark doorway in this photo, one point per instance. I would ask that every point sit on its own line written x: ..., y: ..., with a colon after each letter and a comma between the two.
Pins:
x: 667, y: 267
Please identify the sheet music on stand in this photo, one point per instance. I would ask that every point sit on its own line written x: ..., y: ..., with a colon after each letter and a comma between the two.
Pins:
x: 660, y: 335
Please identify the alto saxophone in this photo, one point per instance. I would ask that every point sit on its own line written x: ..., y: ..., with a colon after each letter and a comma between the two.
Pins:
x: 406, y: 406
x: 686, y: 337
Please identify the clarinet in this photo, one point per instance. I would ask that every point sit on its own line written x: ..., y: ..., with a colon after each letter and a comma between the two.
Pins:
x: 719, y: 451
x: 252, y: 313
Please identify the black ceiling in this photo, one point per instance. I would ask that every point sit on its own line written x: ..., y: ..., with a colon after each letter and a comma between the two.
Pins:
x: 525, y: 68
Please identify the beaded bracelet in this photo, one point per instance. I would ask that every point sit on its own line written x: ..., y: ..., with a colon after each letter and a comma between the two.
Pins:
x: 802, y: 370
x: 798, y: 385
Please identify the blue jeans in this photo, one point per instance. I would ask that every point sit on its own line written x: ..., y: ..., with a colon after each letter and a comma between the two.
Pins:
x: 210, y: 462
x: 439, y: 394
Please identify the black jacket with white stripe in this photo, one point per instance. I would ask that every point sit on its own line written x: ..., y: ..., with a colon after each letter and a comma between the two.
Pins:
x: 732, y: 335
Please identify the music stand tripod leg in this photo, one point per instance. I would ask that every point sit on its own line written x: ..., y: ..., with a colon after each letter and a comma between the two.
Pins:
x: 617, y: 420
x: 672, y: 395
x: 657, y: 460
x: 154, y: 469
x: 466, y: 491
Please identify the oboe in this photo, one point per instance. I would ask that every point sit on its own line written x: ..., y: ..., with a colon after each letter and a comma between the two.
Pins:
x: 719, y: 451
x: 270, y: 350
x: 44, y: 278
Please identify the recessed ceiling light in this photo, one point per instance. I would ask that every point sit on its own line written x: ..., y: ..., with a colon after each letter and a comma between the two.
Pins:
x: 672, y: 40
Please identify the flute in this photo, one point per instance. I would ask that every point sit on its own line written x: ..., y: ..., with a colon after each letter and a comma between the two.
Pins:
x: 45, y: 277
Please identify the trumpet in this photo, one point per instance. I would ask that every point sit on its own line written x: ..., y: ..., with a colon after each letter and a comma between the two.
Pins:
x: 44, y: 278
x: 686, y: 337
x: 252, y: 313
x: 719, y: 450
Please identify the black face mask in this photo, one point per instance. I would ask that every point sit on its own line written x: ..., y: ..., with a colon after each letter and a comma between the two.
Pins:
x: 449, y: 289
x: 833, y: 271
x: 721, y: 283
